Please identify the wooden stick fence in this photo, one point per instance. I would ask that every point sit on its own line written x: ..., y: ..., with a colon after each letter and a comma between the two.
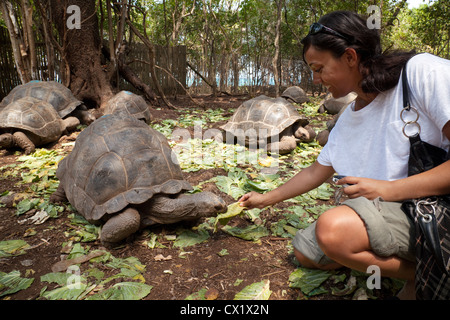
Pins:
x: 172, y: 59
x: 8, y: 73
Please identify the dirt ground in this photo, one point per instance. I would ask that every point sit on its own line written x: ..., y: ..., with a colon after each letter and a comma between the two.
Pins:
x: 200, y: 267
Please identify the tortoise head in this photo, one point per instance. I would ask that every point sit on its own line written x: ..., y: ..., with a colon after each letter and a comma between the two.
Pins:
x: 166, y: 209
x: 84, y: 116
x: 305, y: 134
x: 207, y: 203
x: 87, y: 117
x: 6, y: 140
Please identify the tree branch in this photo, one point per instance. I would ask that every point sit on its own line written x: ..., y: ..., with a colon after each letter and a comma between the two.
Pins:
x: 151, y: 50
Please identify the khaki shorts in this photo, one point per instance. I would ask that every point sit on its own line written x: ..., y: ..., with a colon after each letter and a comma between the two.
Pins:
x: 389, y: 229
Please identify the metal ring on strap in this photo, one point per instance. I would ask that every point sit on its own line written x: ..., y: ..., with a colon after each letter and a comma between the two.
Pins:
x: 427, y: 218
x: 410, y: 109
x: 411, y: 123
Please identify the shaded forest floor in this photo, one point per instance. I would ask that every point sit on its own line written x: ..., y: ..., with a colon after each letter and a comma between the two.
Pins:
x: 217, y: 267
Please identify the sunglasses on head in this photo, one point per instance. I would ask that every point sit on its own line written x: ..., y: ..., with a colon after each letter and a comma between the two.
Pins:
x: 316, y: 28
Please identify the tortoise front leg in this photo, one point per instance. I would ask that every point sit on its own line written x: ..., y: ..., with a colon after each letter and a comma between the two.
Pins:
x: 285, y: 145
x: 24, y: 142
x: 120, y: 226
x: 59, y: 195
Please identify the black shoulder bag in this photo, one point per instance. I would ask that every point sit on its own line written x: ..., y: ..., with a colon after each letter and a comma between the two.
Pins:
x: 431, y: 216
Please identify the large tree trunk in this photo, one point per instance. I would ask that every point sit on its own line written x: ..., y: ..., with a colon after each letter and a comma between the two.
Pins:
x: 81, y: 49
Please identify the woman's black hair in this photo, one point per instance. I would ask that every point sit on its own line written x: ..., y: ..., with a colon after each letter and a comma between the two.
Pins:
x: 380, y: 70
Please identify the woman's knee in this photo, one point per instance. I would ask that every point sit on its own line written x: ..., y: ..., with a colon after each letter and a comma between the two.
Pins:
x: 338, y: 229
x: 326, y: 227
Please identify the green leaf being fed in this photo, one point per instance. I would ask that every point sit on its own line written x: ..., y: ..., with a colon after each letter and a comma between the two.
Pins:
x: 233, y: 210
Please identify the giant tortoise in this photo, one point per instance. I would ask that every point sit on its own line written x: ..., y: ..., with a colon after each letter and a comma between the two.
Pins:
x: 271, y: 123
x: 55, y: 93
x: 121, y: 173
x: 29, y: 122
x: 295, y: 94
x: 336, y: 107
x: 130, y: 103
x: 333, y: 105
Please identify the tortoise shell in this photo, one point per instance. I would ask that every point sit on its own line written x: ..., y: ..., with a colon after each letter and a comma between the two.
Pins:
x: 116, y: 161
x: 296, y: 94
x: 34, y: 116
x: 264, y: 117
x: 55, y: 93
x: 130, y: 103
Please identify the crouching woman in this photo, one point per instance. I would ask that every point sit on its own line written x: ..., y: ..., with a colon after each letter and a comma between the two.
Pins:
x: 368, y: 147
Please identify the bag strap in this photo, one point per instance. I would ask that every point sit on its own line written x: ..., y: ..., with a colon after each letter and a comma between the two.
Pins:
x: 405, y: 86
x: 407, y: 106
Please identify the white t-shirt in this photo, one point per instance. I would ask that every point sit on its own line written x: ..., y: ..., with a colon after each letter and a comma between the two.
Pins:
x: 369, y: 142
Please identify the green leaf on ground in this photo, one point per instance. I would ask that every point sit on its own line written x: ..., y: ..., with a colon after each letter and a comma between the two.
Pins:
x: 199, y: 295
x: 123, y: 291
x: 307, y: 280
x: 26, y: 205
x: 189, y: 238
x: 9, y: 248
x: 72, y: 285
x: 251, y: 233
x: 255, y: 291
x: 12, y: 282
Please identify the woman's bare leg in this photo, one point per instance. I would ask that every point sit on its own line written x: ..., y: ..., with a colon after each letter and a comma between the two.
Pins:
x: 342, y: 236
x: 307, y: 263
